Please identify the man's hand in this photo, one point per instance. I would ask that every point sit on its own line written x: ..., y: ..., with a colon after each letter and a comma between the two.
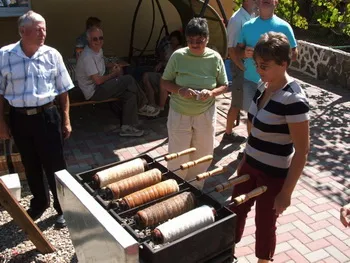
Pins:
x: 345, y: 215
x: 117, y: 70
x: 66, y: 129
x: 187, y: 93
x: 5, y: 132
x: 204, y: 94
x: 282, y: 201
x: 248, y: 52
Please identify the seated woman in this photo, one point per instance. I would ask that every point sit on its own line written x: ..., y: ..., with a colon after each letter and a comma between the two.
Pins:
x: 194, y: 75
x: 151, y: 80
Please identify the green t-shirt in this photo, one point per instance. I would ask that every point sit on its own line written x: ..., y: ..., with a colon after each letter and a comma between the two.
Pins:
x: 206, y: 71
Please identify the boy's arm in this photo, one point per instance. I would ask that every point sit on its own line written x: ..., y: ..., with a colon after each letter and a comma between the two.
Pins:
x: 300, y: 136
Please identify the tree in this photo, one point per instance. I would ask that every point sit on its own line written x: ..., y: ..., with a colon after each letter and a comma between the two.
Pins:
x: 333, y: 14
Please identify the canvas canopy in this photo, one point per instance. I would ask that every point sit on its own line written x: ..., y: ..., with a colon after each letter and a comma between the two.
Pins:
x: 188, y: 9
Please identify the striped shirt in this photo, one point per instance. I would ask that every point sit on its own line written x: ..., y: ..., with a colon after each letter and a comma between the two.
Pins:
x: 270, y: 147
x: 34, y: 81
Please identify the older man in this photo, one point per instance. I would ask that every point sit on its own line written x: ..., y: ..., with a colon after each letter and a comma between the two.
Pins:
x: 32, y: 75
x: 250, y: 34
x: 96, y: 85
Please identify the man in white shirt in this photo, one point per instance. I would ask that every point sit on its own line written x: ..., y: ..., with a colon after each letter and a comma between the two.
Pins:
x: 242, y: 15
x: 96, y: 85
x: 32, y: 76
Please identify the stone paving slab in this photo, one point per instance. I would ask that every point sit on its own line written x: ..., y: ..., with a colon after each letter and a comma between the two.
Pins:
x: 309, y: 231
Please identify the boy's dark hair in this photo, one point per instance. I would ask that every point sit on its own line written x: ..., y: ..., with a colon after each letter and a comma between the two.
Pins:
x: 177, y: 34
x: 92, y: 21
x: 197, y: 27
x: 273, y: 46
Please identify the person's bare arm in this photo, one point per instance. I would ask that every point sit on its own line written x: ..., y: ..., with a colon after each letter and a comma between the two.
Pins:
x: 63, y: 100
x: 249, y: 127
x: 205, y: 94
x: 116, y: 71
x: 238, y: 55
x: 345, y: 215
x: 4, y: 129
x: 174, y: 88
x: 300, y: 137
x: 294, y: 54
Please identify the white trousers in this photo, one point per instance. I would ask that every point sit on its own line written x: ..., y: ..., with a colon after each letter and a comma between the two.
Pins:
x: 191, y: 131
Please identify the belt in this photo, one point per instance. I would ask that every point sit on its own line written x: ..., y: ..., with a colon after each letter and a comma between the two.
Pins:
x: 34, y: 110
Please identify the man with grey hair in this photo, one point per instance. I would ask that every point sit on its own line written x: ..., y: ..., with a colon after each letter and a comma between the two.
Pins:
x: 97, y: 85
x: 32, y: 75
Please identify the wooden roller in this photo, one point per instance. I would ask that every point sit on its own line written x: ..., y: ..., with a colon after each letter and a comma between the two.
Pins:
x: 119, y: 172
x: 135, y: 183
x: 190, y: 164
x: 130, y: 168
x: 216, y: 171
x: 172, y: 156
x: 234, y: 181
x: 245, y: 197
x: 165, y: 210
x: 149, y: 194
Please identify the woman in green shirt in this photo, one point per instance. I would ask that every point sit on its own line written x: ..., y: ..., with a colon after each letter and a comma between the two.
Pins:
x: 194, y: 75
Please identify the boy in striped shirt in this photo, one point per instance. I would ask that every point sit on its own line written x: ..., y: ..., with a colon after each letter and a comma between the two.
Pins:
x: 278, y: 142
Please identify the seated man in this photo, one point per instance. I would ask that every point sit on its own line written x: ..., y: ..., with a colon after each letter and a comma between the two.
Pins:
x: 151, y: 80
x: 96, y: 85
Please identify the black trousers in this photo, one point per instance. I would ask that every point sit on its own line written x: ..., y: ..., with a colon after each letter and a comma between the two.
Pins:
x: 39, y: 140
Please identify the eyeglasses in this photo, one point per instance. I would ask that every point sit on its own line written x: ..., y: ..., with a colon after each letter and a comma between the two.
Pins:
x: 97, y: 38
x: 196, y: 42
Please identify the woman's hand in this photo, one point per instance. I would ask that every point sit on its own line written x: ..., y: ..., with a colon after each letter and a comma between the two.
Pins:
x: 205, y: 94
x: 345, y: 215
x: 282, y: 201
x: 187, y: 93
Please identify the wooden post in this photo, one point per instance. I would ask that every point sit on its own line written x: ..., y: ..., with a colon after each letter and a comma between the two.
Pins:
x: 22, y: 219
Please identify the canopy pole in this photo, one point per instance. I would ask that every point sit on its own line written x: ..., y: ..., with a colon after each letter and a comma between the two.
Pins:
x: 223, y: 12
x: 163, y: 17
x: 131, y: 45
x: 204, y: 7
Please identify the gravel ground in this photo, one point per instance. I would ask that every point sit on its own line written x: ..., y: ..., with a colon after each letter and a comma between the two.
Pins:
x: 16, y: 247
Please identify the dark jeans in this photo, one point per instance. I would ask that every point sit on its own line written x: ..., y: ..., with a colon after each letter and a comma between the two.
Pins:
x: 128, y: 91
x: 265, y: 216
x: 39, y: 140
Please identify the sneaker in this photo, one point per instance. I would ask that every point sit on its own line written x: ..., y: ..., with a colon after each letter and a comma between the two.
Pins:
x: 130, y: 131
x: 60, y: 222
x: 148, y: 110
x: 233, y: 137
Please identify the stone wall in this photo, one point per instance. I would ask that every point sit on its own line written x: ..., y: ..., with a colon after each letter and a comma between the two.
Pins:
x: 323, y: 63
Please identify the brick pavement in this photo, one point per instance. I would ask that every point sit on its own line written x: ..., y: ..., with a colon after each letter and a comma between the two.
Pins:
x: 309, y: 231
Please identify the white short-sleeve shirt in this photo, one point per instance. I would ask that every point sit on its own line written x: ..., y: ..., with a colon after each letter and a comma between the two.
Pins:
x: 89, y: 63
x: 235, y: 25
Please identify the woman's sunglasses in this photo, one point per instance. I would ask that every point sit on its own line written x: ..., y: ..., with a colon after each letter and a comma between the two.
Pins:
x: 97, y: 38
x: 196, y: 42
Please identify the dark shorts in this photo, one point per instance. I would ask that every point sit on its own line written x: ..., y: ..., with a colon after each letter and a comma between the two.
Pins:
x: 237, y: 86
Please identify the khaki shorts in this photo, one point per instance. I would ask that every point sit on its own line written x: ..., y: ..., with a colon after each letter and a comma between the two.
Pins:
x: 237, y: 86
